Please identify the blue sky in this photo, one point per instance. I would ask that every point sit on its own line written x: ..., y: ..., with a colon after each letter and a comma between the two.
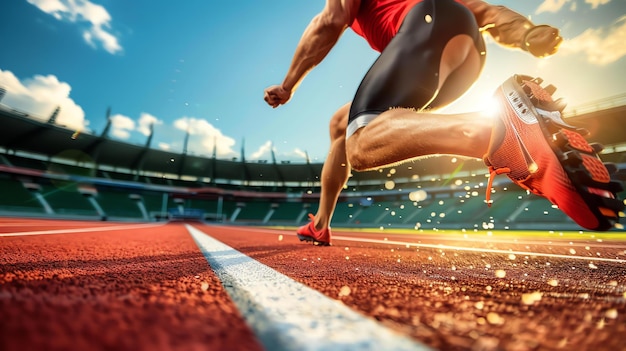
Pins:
x: 202, y: 66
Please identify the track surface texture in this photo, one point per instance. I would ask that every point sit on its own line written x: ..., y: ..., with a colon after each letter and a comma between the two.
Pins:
x: 144, y: 288
x: 124, y: 286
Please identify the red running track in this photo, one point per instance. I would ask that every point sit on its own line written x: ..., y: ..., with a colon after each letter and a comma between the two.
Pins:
x: 149, y: 287
x: 132, y: 289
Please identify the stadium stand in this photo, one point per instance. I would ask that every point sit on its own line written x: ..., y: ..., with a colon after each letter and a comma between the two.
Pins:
x: 46, y: 172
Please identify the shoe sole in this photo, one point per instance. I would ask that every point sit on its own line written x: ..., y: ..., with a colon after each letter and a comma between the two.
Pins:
x: 588, y: 174
x: 311, y: 239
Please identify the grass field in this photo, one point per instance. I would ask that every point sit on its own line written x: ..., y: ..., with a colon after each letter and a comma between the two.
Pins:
x: 615, y: 235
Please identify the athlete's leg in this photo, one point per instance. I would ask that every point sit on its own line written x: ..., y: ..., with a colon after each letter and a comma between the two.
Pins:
x: 453, y: 67
x: 400, y: 134
x: 427, y: 65
x: 335, y: 171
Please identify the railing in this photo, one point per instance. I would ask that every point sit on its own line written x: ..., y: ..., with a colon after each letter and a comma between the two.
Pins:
x: 598, y: 105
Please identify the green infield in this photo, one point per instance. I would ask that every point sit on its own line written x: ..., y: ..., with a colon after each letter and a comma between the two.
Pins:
x: 613, y: 235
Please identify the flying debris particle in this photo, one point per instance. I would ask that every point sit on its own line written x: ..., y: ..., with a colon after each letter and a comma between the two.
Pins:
x: 600, y: 324
x: 347, y: 248
x: 593, y: 266
x: 76, y: 134
x: 390, y: 184
x: 280, y: 237
x: 611, y: 314
x: 344, y: 291
x: 572, y: 251
x: 347, y: 257
x: 531, y: 298
x: 500, y: 273
x: 494, y: 318
x: 418, y: 195
x: 512, y: 257
x: 553, y: 282
x: 479, y: 305
x: 488, y: 288
x: 204, y: 286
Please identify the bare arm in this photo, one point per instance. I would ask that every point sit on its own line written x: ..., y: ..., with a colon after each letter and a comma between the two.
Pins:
x: 511, y: 29
x: 318, y: 39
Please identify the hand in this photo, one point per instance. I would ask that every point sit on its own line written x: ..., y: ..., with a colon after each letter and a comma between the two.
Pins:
x: 276, y: 95
x: 542, y: 40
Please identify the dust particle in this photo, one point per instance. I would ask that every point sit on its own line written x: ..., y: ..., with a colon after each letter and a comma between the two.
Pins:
x: 344, y: 291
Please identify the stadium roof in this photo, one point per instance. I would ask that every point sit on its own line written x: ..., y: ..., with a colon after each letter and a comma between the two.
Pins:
x: 22, y: 133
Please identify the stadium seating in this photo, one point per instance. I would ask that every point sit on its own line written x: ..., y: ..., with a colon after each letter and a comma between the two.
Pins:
x: 16, y: 198
x: 99, y: 177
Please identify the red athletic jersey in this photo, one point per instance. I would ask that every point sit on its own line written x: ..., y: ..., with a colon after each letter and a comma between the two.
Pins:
x: 379, y: 20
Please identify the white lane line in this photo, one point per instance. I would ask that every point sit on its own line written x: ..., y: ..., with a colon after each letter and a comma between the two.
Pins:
x: 286, y: 315
x: 84, y: 230
x: 477, y: 240
x: 482, y: 250
x: 463, y: 248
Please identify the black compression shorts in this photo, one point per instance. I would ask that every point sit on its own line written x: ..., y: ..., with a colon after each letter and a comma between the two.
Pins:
x: 406, y: 72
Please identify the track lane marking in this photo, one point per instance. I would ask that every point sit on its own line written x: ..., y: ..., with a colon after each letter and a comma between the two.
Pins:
x: 469, y: 249
x: 84, y: 230
x: 287, y: 315
x: 475, y: 239
x: 481, y: 250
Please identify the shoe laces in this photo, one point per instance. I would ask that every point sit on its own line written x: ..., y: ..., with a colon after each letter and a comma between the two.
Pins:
x: 493, y: 172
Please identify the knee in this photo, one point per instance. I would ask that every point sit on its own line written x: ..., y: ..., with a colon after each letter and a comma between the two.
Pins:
x: 339, y: 122
x: 356, y: 157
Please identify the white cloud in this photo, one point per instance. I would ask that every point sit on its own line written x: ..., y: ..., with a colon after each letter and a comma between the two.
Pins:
x: 263, y: 150
x: 165, y: 146
x: 83, y: 11
x: 551, y: 6
x: 121, y: 126
x: 209, y: 137
x: 601, y: 46
x: 145, y: 121
x: 595, y: 3
x: 39, y: 96
x: 300, y: 153
x: 556, y: 5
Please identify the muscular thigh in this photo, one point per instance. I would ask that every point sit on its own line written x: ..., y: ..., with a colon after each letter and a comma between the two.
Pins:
x: 406, y: 74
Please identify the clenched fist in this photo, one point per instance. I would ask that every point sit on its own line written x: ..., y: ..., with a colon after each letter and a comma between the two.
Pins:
x: 276, y: 95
